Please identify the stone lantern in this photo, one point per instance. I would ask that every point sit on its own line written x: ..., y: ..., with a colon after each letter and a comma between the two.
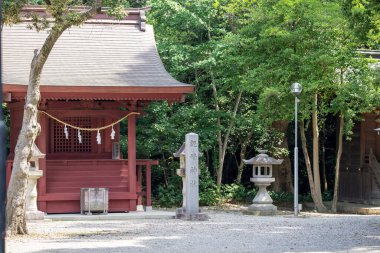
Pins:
x: 181, y: 172
x: 32, y: 213
x: 262, y: 177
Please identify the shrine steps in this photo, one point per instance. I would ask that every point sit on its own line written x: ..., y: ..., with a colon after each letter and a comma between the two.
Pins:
x: 74, y: 189
x: 64, y: 180
x: 89, y: 172
x: 85, y: 178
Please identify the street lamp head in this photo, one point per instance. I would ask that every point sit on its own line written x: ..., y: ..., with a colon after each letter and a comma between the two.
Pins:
x: 296, y: 89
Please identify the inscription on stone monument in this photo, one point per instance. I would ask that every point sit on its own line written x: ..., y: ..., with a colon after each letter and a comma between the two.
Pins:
x: 189, y: 172
x: 192, y: 177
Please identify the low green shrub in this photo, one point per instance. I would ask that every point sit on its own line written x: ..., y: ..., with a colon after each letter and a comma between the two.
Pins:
x: 328, y: 196
x: 208, y: 191
x: 235, y: 193
x: 169, y: 196
x: 281, y: 196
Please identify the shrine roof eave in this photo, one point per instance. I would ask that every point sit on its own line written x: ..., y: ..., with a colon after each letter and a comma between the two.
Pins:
x: 170, y: 93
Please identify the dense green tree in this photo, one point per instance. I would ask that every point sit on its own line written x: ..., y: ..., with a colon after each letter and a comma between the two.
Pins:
x: 364, y: 18
x: 195, y: 43
x: 298, y: 41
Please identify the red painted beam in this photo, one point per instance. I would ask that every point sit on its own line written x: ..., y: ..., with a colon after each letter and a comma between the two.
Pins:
x: 76, y: 196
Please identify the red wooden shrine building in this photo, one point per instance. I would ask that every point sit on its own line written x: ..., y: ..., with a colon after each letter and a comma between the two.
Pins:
x: 360, y: 167
x: 96, y: 74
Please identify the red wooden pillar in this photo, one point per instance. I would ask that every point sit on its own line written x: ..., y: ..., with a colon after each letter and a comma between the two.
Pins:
x: 42, y: 146
x: 139, y: 189
x: 148, y: 187
x: 132, y: 159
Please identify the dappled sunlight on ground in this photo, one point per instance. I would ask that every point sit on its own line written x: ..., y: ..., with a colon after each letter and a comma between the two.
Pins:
x: 224, y: 232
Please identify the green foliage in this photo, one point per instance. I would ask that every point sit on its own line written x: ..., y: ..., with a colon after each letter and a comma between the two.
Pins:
x: 257, y: 47
x: 236, y: 193
x: 364, y: 19
x: 356, y: 93
x: 171, y: 195
x: 161, y: 131
x: 11, y: 10
x: 281, y: 196
x: 137, y: 3
x: 208, y: 191
x: 199, y: 46
x: 63, y: 11
x: 116, y: 8
x: 291, y: 41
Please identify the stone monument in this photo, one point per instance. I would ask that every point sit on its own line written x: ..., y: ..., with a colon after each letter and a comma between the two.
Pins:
x: 32, y: 212
x: 262, y: 177
x: 189, y: 171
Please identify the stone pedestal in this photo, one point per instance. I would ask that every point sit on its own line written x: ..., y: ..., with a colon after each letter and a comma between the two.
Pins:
x: 183, y: 215
x: 32, y: 213
x: 140, y: 208
x: 262, y: 203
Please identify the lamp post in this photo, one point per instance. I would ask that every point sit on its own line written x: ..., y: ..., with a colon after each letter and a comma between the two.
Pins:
x: 296, y: 89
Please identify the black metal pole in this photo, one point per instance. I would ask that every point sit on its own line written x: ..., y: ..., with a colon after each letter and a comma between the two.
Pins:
x: 2, y: 154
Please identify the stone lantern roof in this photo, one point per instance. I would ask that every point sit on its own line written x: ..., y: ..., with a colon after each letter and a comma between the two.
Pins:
x: 263, y: 159
x: 181, y: 151
x: 36, y: 153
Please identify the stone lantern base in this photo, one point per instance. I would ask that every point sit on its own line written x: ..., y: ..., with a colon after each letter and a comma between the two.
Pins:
x: 262, y: 203
x: 34, y: 215
x: 261, y: 210
x: 32, y: 212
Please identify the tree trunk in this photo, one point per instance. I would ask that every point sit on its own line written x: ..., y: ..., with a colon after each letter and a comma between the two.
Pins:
x: 219, y: 171
x: 316, y: 172
x: 317, y: 199
x: 243, y: 151
x: 222, y: 143
x: 324, y: 176
x: 283, y: 173
x: 15, y: 216
x: 223, y: 147
x: 337, y: 166
x: 16, y: 223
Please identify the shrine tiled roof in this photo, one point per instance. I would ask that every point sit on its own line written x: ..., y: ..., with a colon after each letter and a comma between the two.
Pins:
x: 98, y: 54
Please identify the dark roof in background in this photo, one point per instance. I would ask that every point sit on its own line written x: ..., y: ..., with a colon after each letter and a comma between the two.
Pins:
x: 98, y: 53
x: 375, y: 54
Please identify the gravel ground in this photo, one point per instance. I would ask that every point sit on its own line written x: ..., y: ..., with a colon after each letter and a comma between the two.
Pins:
x: 224, y: 232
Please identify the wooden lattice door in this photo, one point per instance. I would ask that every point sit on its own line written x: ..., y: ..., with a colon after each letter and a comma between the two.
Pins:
x: 72, y: 144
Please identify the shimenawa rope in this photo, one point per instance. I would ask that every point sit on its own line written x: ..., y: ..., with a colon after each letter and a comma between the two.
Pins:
x: 89, y: 129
